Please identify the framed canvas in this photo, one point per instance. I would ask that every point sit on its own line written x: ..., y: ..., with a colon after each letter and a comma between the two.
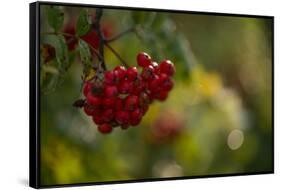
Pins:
x: 120, y: 94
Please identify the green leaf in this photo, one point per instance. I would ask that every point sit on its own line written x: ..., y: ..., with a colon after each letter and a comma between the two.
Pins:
x: 55, y: 17
x: 53, y: 73
x: 83, y: 25
x: 61, y: 53
x: 71, y: 55
x: 49, y: 78
x: 49, y: 83
x: 50, y: 69
x: 86, y: 57
x: 85, y: 53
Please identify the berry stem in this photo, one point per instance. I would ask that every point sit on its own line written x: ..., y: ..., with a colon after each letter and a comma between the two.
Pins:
x: 129, y: 30
x: 117, y: 55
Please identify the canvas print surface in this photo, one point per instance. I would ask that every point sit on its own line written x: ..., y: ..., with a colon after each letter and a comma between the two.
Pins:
x: 129, y: 94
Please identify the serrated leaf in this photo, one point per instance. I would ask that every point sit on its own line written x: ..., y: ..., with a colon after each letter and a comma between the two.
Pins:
x: 83, y: 25
x: 55, y: 17
x: 85, y: 53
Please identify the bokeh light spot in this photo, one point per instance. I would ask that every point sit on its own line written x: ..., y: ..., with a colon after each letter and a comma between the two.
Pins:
x: 235, y: 139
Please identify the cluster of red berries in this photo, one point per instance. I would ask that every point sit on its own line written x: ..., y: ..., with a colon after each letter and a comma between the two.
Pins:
x: 123, y: 96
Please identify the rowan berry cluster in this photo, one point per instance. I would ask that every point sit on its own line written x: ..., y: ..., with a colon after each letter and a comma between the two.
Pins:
x: 123, y: 96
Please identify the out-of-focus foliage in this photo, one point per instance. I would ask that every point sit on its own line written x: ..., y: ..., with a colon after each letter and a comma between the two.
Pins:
x: 84, y: 23
x: 55, y: 17
x: 216, y: 120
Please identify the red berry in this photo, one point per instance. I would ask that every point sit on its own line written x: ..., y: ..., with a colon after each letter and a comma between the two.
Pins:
x: 132, y: 73
x: 119, y: 104
x: 163, y: 77
x: 120, y: 72
x: 122, y: 117
x: 131, y: 102
x: 154, y: 64
x: 108, y: 102
x: 107, y: 115
x: 167, y: 67
x: 143, y: 59
x: 125, y: 86
x: 162, y: 95
x: 96, y: 112
x: 144, y: 99
x: 105, y: 128
x: 98, y: 120
x: 89, y: 110
x: 135, y: 122
x: 144, y: 108
x: 135, y: 117
x: 148, y: 72
x: 156, y: 68
x: 136, y: 114
x: 151, y: 96
x: 110, y: 91
x: 154, y: 85
x: 139, y: 86
x: 97, y: 89
x: 110, y: 78
x: 137, y: 90
x: 87, y: 88
x: 95, y: 101
x: 167, y: 84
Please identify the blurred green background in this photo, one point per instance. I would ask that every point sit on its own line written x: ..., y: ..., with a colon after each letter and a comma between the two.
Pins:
x: 216, y: 120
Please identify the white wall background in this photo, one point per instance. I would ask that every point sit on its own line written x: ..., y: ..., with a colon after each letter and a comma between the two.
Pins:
x: 14, y: 85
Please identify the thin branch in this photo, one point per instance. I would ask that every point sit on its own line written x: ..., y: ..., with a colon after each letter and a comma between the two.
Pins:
x: 117, y: 55
x: 97, y: 27
x: 129, y: 30
x: 95, y: 51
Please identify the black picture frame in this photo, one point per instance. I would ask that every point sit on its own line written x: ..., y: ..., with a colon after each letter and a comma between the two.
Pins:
x: 34, y: 93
